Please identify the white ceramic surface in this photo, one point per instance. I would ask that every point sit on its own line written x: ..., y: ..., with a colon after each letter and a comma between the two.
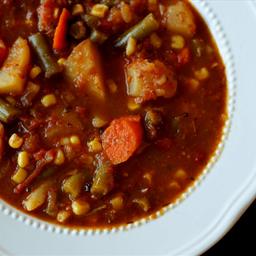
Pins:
x: 208, y: 213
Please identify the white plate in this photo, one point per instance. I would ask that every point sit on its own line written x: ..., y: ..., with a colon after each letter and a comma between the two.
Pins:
x: 211, y: 210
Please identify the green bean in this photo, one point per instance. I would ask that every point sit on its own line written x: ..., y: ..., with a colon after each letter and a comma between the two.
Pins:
x: 103, y: 180
x: 141, y: 30
x: 7, y: 112
x: 98, y: 37
x: 44, y: 54
x: 92, y: 22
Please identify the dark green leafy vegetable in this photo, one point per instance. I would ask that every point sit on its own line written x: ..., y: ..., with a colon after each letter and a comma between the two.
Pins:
x: 7, y: 112
x: 44, y: 54
x: 141, y: 30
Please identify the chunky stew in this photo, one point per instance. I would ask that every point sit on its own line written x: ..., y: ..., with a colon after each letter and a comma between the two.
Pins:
x: 109, y: 109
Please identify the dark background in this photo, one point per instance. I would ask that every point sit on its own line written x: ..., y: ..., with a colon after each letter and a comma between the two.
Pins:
x: 241, y: 238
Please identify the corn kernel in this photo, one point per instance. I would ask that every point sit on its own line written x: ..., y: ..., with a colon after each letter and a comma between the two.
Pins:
x: 33, y: 87
x: 177, y: 42
x: 20, y: 175
x: 49, y: 100
x: 132, y: 105
x: 214, y: 65
x: 148, y: 176
x: 131, y: 46
x: 34, y: 72
x: 143, y: 203
x: 117, y: 202
x: 202, y: 74
x: 77, y: 9
x: 15, y: 141
x: 126, y: 12
x: 56, y: 13
x: 61, y: 61
x: 99, y: 10
x: 98, y: 122
x: 94, y: 145
x: 180, y: 174
x: 193, y: 84
x: 60, y: 158
x: 174, y: 185
x: 155, y: 40
x: 80, y: 207
x: 112, y: 86
x: 74, y: 139
x: 23, y: 159
x: 29, y: 22
x: 63, y: 216
x: 65, y: 141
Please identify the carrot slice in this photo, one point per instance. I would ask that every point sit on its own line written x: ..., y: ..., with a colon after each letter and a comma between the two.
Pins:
x: 59, y: 40
x: 122, y: 138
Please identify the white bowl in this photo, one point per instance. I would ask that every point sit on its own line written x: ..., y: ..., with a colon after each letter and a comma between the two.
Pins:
x: 219, y: 196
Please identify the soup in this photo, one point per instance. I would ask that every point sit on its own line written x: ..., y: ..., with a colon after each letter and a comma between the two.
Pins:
x: 109, y: 109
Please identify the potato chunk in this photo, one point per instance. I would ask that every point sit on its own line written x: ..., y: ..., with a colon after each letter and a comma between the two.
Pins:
x: 14, y: 70
x: 148, y: 80
x: 37, y: 197
x: 83, y: 69
x: 73, y: 185
x: 180, y: 19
